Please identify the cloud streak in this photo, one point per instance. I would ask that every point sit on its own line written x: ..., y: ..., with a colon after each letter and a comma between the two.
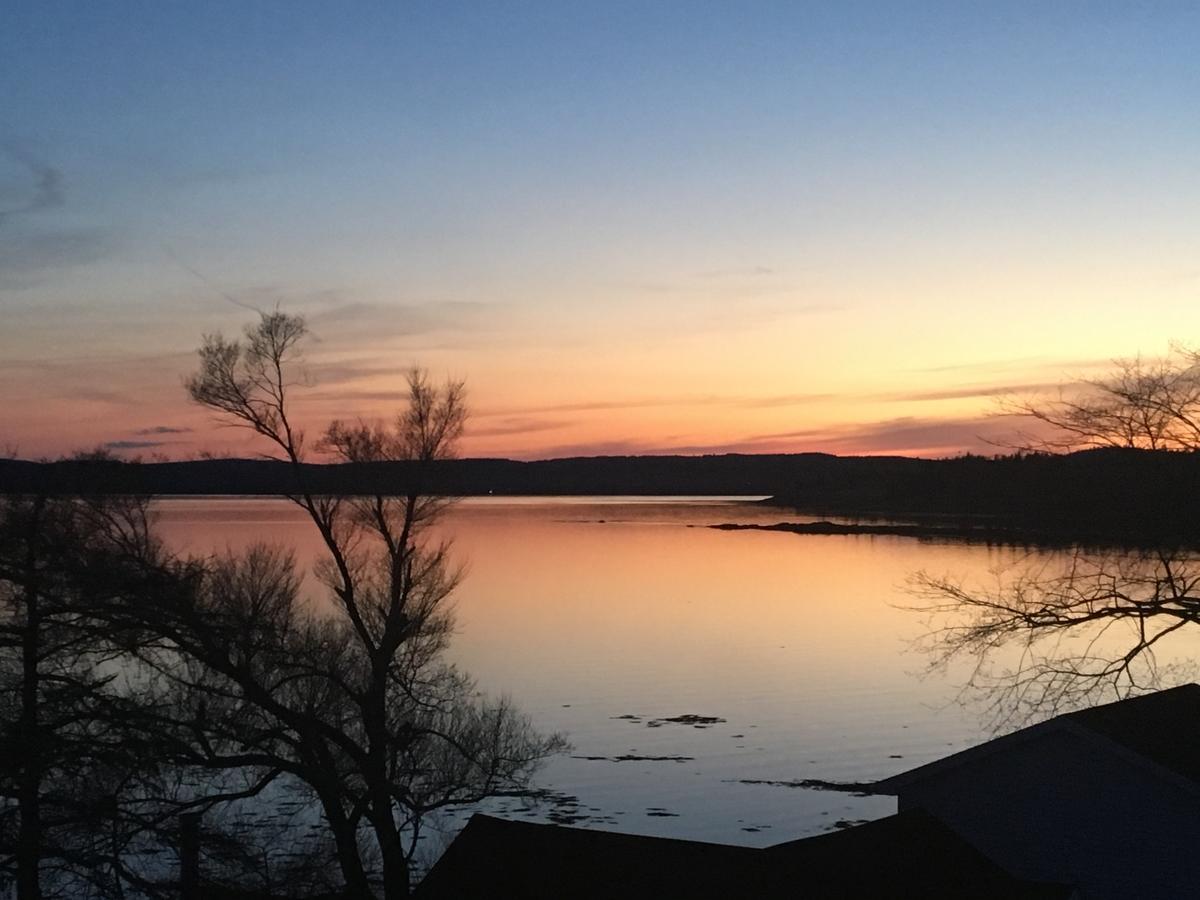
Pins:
x: 517, y: 426
x: 908, y: 434
x: 736, y: 402
x: 25, y: 255
x: 47, y: 181
x: 162, y: 429
x: 972, y: 391
x: 900, y: 436
x: 347, y: 322
x: 132, y: 445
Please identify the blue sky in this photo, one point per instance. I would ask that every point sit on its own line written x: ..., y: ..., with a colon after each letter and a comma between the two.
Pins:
x: 674, y: 213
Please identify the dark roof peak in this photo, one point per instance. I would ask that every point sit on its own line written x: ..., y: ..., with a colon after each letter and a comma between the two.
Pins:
x: 1163, y: 726
x: 911, y: 854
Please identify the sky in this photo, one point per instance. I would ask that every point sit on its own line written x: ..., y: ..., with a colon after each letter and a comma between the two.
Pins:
x: 630, y: 227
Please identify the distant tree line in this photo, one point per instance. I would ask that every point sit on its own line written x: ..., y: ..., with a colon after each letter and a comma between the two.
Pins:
x: 1110, y: 493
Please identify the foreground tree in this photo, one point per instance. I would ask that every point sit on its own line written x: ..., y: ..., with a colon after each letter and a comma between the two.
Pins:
x: 354, y: 702
x: 67, y: 735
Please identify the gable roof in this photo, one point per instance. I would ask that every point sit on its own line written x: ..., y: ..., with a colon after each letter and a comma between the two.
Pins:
x: 910, y: 855
x: 1160, y: 729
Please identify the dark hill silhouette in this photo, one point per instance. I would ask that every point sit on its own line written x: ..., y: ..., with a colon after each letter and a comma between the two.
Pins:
x: 1117, y: 495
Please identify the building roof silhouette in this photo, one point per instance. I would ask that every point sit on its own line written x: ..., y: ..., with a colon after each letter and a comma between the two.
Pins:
x: 1160, y: 730
x: 910, y: 855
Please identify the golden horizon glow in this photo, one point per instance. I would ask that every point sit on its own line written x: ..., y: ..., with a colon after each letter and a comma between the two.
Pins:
x: 629, y: 230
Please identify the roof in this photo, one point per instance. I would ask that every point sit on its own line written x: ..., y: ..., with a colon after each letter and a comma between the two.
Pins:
x: 1161, y: 729
x: 502, y: 858
x: 910, y: 855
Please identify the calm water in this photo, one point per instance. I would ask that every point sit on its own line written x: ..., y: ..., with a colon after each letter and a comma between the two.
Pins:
x: 601, y: 616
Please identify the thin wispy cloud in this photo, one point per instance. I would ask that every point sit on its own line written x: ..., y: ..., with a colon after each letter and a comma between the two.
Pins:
x: 212, y: 285
x: 30, y: 251
x: 968, y: 392
x: 739, y: 402
x: 346, y: 397
x: 1022, y: 362
x: 779, y: 400
x: 25, y: 258
x: 907, y: 434
x: 45, y: 182
x: 598, y: 405
x: 93, y: 364
x: 163, y: 429
x: 517, y: 426
x: 100, y: 395
x: 351, y: 321
x: 132, y: 445
x: 736, y: 272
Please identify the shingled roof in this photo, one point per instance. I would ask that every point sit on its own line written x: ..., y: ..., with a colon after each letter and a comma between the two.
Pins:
x: 910, y: 855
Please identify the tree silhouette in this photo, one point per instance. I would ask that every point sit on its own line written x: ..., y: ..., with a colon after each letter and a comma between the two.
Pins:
x: 72, y: 754
x: 1048, y: 638
x: 1059, y: 634
x: 1150, y: 404
x: 353, y: 703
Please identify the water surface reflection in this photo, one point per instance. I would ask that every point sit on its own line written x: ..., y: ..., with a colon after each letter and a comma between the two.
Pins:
x: 608, y: 618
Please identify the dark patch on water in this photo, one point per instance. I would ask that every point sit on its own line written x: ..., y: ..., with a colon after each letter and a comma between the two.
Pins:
x: 636, y: 757
x: 659, y: 812
x: 564, y: 817
x: 848, y: 823
x: 857, y: 788
x: 687, y: 719
x: 553, y: 806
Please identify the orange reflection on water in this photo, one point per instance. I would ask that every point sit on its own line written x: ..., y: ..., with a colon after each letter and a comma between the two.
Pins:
x: 599, y: 617
x: 560, y: 596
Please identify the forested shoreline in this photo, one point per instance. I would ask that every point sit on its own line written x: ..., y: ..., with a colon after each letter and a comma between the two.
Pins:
x: 1109, y: 494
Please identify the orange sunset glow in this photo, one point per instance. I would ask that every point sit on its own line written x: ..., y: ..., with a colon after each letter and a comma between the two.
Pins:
x: 787, y: 234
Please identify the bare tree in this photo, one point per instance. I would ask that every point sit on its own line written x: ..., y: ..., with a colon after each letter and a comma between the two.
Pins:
x: 1063, y: 634
x: 69, y: 748
x: 354, y: 704
x: 1046, y: 639
x: 1151, y: 404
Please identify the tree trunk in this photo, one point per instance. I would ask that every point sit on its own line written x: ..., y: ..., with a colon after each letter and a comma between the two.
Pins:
x: 189, y: 856
x: 29, y: 840
x: 346, y: 844
x: 391, y: 846
x: 29, y: 789
x: 396, y: 882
